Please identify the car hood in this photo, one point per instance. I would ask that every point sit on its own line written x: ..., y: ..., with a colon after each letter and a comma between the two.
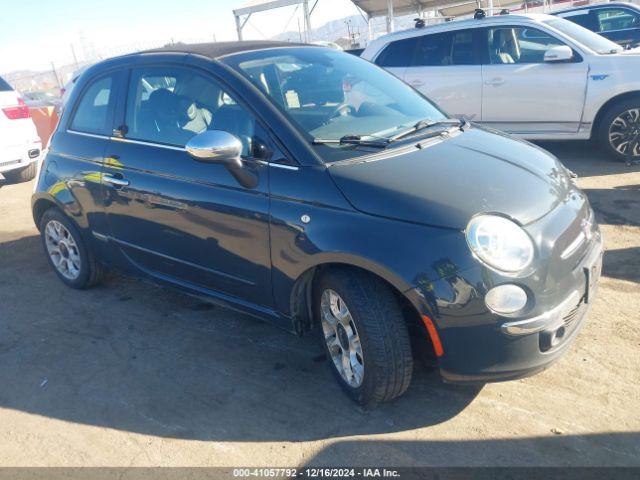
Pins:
x: 448, y: 182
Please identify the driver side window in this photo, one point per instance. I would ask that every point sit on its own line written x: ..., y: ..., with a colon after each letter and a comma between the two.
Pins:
x: 612, y: 19
x: 509, y: 45
x: 170, y: 105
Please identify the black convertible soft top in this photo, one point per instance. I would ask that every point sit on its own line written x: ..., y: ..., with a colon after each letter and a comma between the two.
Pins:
x: 220, y: 49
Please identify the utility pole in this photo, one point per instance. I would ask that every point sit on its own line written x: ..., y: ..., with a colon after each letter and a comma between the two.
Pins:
x: 55, y: 74
x: 75, y: 59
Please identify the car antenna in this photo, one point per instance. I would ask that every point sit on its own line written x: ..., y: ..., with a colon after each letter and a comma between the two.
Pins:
x: 504, y: 11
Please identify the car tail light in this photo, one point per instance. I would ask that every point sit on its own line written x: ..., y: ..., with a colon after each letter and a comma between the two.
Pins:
x: 19, y: 111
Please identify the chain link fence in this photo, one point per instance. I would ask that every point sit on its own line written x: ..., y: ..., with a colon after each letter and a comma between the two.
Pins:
x: 62, y: 69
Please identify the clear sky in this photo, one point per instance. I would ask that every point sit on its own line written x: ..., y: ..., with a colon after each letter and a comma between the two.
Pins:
x: 36, y: 32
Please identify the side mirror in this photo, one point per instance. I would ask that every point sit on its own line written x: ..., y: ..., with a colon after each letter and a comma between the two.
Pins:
x: 561, y: 53
x: 218, y: 146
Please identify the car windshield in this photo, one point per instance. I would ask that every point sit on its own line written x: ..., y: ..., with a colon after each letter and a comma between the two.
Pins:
x: 589, y: 39
x: 342, y: 103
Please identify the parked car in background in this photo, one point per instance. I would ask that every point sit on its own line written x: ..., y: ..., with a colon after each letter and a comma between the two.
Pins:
x: 19, y: 142
x: 41, y: 99
x: 536, y: 76
x: 617, y: 21
x: 308, y: 187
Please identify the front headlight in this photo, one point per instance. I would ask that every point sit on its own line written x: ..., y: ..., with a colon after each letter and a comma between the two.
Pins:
x: 500, y: 243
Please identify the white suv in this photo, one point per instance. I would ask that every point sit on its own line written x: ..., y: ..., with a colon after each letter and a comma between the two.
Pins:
x: 535, y: 76
x: 20, y: 145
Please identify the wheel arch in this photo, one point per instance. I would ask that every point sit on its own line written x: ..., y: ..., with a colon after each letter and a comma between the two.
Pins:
x: 41, y: 205
x: 301, y: 297
x: 606, y: 105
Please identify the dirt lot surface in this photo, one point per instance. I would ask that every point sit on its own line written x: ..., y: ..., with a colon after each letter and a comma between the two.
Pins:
x: 133, y: 374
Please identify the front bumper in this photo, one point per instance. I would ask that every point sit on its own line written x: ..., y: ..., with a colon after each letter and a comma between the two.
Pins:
x: 482, y: 347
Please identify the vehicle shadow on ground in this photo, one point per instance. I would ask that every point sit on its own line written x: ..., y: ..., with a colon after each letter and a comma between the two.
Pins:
x: 133, y: 356
x: 616, y: 206
x: 585, y: 159
x: 617, y: 449
x: 622, y: 263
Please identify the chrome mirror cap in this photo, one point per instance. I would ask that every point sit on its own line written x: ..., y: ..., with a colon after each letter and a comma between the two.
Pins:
x: 215, y: 146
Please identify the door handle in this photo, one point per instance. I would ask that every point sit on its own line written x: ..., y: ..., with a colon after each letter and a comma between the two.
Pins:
x: 417, y: 83
x: 120, y: 182
x: 495, y: 82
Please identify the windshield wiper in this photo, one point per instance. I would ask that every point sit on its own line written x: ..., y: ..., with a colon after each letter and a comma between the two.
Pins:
x: 353, y: 140
x: 427, y: 123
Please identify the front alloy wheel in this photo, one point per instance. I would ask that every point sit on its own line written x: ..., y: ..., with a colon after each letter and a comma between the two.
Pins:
x: 364, y: 334
x: 341, y: 338
x: 619, y: 130
x: 624, y: 133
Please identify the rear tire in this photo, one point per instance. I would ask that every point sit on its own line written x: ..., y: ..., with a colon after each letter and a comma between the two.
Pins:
x: 23, y: 175
x: 619, y: 127
x: 67, y: 253
x: 377, y: 365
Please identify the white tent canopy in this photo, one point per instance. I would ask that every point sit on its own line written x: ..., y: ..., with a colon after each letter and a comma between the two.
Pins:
x: 391, y: 8
x: 370, y: 9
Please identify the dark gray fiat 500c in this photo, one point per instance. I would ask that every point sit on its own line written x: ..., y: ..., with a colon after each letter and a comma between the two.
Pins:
x: 308, y: 187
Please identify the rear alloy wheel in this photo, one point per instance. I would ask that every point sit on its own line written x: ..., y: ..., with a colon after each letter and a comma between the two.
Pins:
x: 62, y: 249
x: 66, y: 251
x: 364, y: 335
x: 620, y: 131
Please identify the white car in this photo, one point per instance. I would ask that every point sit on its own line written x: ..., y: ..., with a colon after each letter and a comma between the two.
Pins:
x: 536, y: 76
x: 20, y: 146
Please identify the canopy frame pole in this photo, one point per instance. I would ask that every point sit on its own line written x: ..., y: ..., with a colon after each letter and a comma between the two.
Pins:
x: 240, y: 25
x: 390, y: 17
x: 307, y: 21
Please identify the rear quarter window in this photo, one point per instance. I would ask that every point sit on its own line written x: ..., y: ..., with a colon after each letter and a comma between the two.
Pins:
x: 92, y: 112
x: 398, y: 53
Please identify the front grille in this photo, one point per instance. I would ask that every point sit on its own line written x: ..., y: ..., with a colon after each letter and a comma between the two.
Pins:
x: 6, y: 164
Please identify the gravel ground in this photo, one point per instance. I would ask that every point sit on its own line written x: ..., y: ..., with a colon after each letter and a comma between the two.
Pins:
x: 133, y: 374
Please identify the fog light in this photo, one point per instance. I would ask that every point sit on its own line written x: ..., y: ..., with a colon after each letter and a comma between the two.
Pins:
x: 506, y: 299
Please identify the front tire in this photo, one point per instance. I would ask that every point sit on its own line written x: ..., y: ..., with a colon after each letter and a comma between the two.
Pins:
x: 66, y: 251
x: 364, y: 335
x: 619, y: 130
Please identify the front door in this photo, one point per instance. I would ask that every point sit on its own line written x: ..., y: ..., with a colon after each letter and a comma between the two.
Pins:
x: 522, y: 94
x: 446, y: 68
x: 178, y: 219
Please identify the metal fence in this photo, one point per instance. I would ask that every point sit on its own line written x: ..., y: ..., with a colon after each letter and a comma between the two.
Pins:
x: 62, y: 69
